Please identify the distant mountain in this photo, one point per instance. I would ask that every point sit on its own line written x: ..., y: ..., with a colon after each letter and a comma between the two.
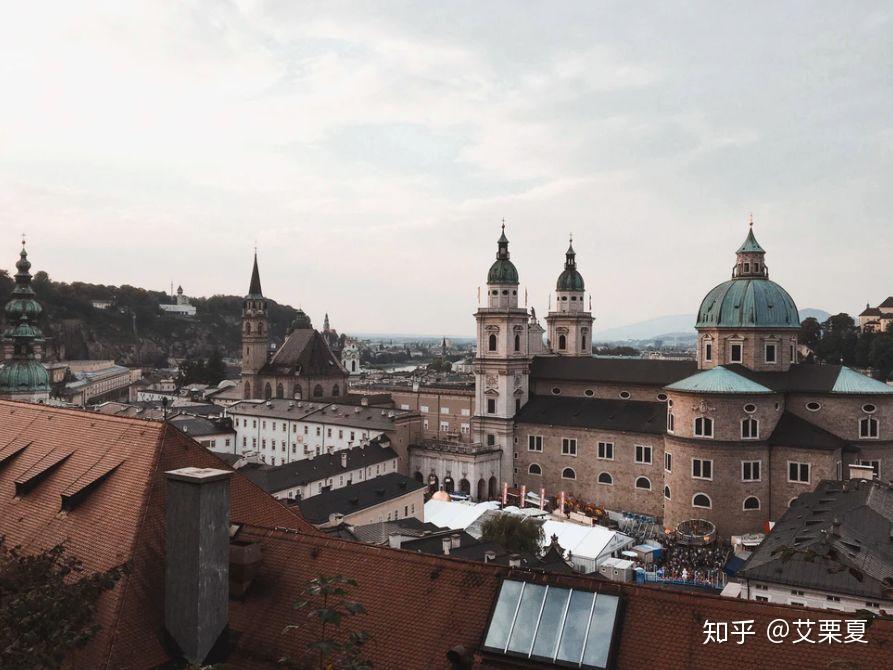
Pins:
x: 668, y: 328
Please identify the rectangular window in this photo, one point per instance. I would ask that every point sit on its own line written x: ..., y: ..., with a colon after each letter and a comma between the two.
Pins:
x: 735, y: 355
x: 606, y: 451
x: 444, y: 410
x: 703, y: 427
x: 708, y: 351
x: 318, y: 431
x: 750, y: 471
x: 761, y: 599
x: 701, y: 468
x: 423, y: 409
x: 465, y: 428
x: 671, y: 422
x: 750, y: 429
x: 425, y: 424
x: 534, y: 443
x: 306, y: 429
x: 491, y: 440
x: 445, y: 426
x: 798, y: 472
x: 466, y: 412
x: 868, y: 428
x: 668, y: 462
x: 770, y: 353
x: 340, y: 434
x: 569, y: 446
x: 491, y: 405
x: 404, y: 406
x: 643, y: 454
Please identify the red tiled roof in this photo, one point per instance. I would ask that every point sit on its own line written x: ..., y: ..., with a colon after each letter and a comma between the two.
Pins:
x: 419, y: 606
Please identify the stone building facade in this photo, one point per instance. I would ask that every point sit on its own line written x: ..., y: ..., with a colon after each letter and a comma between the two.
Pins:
x: 732, y: 437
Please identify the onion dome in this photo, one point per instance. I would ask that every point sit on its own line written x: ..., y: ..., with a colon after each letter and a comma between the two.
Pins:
x: 570, y: 279
x: 23, y: 302
x: 749, y: 299
x: 23, y: 377
x: 301, y: 322
x: 503, y: 271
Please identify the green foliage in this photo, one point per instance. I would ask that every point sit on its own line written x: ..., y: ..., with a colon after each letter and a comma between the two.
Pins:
x: 199, y: 371
x: 617, y: 351
x: 810, y: 332
x: 47, y: 606
x: 838, y: 340
x: 515, y: 533
x: 327, y: 606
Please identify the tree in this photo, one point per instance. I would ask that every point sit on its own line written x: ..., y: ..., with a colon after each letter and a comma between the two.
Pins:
x: 881, y: 355
x: 515, y: 533
x: 327, y: 606
x: 47, y: 606
x: 215, y: 369
x: 810, y: 332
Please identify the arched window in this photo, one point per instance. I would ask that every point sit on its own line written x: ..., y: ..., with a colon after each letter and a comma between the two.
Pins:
x: 260, y: 328
x: 643, y: 483
x: 247, y: 393
x: 268, y: 391
x: 750, y: 429
x: 562, y: 342
x: 868, y: 428
x: 667, y: 492
x: 297, y: 393
x: 703, y: 427
x: 336, y: 390
x: 605, y: 478
x: 248, y: 328
x: 280, y: 391
x: 568, y: 473
x: 534, y: 469
x: 751, y: 503
x: 701, y: 500
x: 517, y: 343
x: 491, y: 345
x: 317, y: 391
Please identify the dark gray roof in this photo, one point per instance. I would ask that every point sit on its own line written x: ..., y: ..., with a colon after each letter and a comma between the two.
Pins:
x: 380, y: 531
x: 805, y: 550
x: 356, y: 497
x: 635, y: 416
x: 275, y: 478
x: 306, y: 353
x: 612, y: 370
x: 794, y: 431
x: 198, y: 426
x: 800, y: 378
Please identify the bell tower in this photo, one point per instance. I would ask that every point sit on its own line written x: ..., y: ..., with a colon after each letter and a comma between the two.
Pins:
x: 502, y: 365
x: 255, y: 336
x: 569, y: 322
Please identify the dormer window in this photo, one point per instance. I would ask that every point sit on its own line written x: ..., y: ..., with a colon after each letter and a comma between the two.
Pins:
x: 747, y: 267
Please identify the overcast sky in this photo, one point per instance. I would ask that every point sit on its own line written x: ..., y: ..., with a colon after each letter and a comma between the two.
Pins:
x: 371, y: 150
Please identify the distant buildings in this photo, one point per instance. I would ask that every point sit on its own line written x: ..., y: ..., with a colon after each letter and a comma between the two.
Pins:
x: 388, y: 497
x: 181, y: 305
x: 877, y: 319
x: 97, y: 381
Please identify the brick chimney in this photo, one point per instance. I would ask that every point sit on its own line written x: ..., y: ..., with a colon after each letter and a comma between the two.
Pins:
x: 196, y: 564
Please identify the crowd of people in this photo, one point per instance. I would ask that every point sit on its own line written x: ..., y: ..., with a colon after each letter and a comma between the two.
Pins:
x: 700, y: 564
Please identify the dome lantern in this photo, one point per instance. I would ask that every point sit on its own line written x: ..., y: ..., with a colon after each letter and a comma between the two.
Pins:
x: 503, y: 271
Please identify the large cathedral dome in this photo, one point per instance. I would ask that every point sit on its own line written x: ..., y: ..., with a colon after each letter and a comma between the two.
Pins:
x: 746, y: 302
x: 749, y: 299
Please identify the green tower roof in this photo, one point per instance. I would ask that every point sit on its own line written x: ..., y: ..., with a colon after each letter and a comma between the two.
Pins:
x: 750, y: 246
x: 570, y: 279
x: 502, y: 271
x: 748, y: 303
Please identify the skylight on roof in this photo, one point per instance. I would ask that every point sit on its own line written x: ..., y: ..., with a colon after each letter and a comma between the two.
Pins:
x: 553, y: 625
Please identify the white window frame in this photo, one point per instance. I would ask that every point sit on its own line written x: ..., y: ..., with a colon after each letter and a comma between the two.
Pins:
x: 759, y: 464
x: 566, y: 444
x: 876, y: 464
x: 534, y: 441
x: 869, y: 421
x: 640, y: 488
x: 774, y: 346
x: 668, y: 461
x: 756, y: 422
x: 649, y: 452
x: 708, y: 350
x: 701, y: 493
x: 671, y: 422
x: 732, y: 346
x: 563, y: 470
x: 535, y: 474
x: 751, y: 509
x: 704, y: 420
x: 799, y: 464
x: 599, y: 481
x: 605, y: 448
x: 423, y: 409
x: 701, y: 461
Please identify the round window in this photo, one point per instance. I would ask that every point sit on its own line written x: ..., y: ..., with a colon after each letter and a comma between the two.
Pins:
x: 813, y: 406
x: 624, y: 395
x: 750, y: 408
x: 556, y: 390
x: 589, y: 392
x: 868, y: 408
x: 669, y: 403
x: 662, y: 397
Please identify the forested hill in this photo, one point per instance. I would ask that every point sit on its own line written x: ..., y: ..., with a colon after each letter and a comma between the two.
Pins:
x: 135, y: 331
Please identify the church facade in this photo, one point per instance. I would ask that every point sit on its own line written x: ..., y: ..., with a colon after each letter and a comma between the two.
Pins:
x: 303, y: 367
x: 732, y: 437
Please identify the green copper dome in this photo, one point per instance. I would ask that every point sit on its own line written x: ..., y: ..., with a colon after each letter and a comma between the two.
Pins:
x: 301, y: 322
x: 748, y: 303
x: 502, y: 271
x: 23, y: 377
x: 570, y: 279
